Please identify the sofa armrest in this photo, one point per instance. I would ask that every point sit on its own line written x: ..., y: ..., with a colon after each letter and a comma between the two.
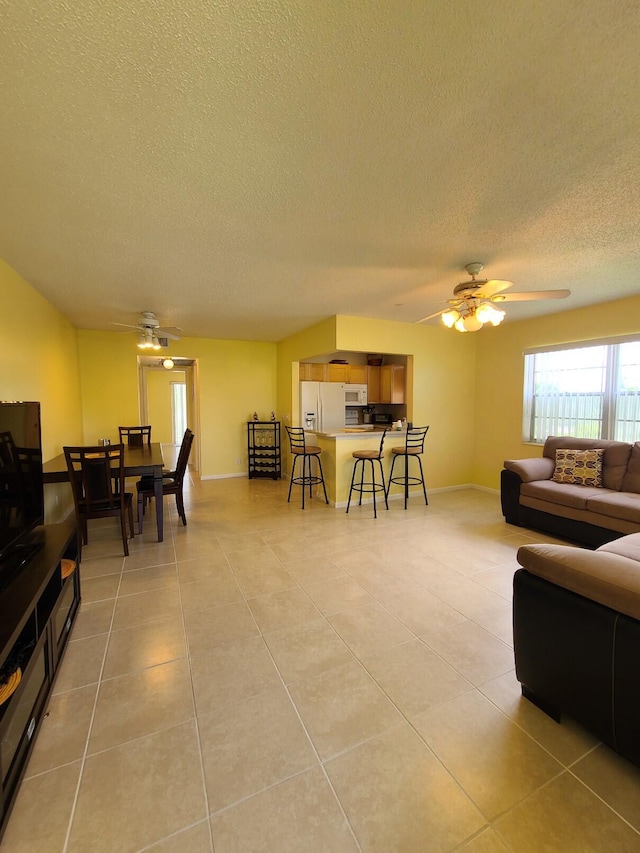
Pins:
x: 531, y: 469
x: 610, y: 579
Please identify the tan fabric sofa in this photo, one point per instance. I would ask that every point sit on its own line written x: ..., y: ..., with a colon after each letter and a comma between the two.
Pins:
x: 576, y: 629
x: 585, y: 514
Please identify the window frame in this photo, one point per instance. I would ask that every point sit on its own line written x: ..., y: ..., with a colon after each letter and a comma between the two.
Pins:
x: 607, y: 421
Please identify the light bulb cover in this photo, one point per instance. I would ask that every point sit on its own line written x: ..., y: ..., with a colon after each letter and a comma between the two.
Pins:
x: 484, y: 312
x: 459, y: 324
x: 168, y: 363
x: 471, y: 323
x: 449, y: 318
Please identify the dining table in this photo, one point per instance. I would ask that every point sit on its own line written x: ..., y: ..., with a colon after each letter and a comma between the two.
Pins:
x: 144, y: 461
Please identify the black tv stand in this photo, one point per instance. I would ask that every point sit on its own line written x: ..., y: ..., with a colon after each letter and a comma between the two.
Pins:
x: 38, y: 604
x: 15, y: 560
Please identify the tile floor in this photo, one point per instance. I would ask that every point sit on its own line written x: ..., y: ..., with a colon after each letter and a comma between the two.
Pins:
x: 269, y: 679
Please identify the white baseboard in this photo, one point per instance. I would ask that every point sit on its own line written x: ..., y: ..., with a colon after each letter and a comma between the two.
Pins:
x: 222, y: 476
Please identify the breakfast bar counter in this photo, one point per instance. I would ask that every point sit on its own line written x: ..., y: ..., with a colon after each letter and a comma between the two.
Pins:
x: 337, y: 459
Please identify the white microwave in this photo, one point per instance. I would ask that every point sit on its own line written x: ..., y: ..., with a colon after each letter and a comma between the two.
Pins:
x: 355, y: 395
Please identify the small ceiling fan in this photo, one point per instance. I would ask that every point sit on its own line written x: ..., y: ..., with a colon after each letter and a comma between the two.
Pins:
x: 150, y: 332
x: 473, y: 302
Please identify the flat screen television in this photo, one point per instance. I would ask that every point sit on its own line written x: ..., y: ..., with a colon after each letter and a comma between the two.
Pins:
x: 21, y: 484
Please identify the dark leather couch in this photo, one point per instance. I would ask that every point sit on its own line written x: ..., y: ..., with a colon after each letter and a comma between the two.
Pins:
x: 577, y: 636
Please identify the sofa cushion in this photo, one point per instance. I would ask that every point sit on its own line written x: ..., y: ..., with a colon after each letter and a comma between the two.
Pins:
x: 580, y: 467
x: 616, y: 455
x: 565, y: 494
x: 631, y: 480
x: 616, y: 505
x: 610, y: 579
x: 626, y: 546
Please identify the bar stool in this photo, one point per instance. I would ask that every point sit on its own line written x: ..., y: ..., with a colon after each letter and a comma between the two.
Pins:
x: 370, y: 486
x: 414, y: 446
x: 299, y: 448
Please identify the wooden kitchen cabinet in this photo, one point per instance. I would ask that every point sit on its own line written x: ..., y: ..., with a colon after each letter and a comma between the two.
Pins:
x: 313, y: 372
x: 357, y: 374
x: 392, y: 383
x: 338, y: 372
x: 373, y: 385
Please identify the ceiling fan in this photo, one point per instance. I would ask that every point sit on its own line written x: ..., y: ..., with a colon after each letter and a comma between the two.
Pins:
x: 474, y: 301
x: 150, y: 332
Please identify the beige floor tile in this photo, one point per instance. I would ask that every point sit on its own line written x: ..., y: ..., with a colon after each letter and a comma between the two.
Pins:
x: 306, y: 650
x: 143, y: 607
x: 566, y: 816
x: 474, y: 652
x: 397, y: 796
x: 342, y: 707
x: 211, y: 591
x: 299, y: 549
x: 498, y: 622
x: 196, y: 839
x: 251, y: 745
x: 485, y: 842
x: 153, y: 786
x: 369, y: 629
x: 498, y: 579
x: 202, y: 568
x: 93, y: 618
x: 63, y: 731
x: 419, y: 610
x: 496, y: 763
x: 248, y: 559
x: 313, y: 570
x: 465, y: 595
x: 216, y: 626
x: 197, y: 549
x: 282, y: 609
x: 100, y: 566
x: 613, y: 779
x: 145, y: 580
x: 264, y: 579
x: 415, y: 678
x: 231, y: 673
x: 159, y: 554
x: 301, y: 814
x: 97, y: 589
x: 82, y: 663
x: 337, y: 593
x: 144, y: 645
x: 566, y: 741
x: 140, y: 703
x: 25, y: 833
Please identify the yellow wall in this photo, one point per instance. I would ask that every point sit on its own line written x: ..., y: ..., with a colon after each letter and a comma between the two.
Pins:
x: 236, y: 378
x: 159, y: 392
x: 39, y: 361
x: 499, y: 375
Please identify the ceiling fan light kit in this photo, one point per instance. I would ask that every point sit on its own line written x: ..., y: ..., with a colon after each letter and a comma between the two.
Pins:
x: 150, y: 332
x: 473, y: 301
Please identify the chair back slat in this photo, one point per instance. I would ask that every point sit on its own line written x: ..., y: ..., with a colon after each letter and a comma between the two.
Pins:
x: 183, y: 456
x: 135, y: 436
x: 415, y: 439
x: 97, y: 476
x: 296, y: 439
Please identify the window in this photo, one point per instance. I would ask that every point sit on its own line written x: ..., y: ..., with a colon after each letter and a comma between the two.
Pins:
x: 589, y: 391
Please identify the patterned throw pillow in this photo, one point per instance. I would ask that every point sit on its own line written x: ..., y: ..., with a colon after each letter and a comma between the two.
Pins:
x: 580, y: 467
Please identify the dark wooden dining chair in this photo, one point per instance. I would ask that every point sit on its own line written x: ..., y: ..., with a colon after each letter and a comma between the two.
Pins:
x: 97, y: 482
x: 172, y: 482
x: 135, y: 436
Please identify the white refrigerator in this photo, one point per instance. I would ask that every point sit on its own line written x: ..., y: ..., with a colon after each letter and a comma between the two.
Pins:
x: 322, y: 406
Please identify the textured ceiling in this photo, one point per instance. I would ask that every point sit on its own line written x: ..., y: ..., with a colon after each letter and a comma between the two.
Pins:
x: 245, y: 169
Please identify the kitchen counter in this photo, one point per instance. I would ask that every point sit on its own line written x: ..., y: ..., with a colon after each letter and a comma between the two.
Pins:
x: 359, y: 432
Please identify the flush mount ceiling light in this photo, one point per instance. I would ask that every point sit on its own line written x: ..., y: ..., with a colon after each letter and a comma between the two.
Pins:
x: 472, y: 306
x: 168, y: 363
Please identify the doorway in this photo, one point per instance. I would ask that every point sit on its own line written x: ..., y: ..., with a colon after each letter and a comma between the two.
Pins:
x: 169, y: 401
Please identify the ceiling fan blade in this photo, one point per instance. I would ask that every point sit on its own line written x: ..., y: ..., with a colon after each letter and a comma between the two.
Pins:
x: 126, y: 325
x: 534, y: 294
x: 431, y: 316
x: 491, y: 287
